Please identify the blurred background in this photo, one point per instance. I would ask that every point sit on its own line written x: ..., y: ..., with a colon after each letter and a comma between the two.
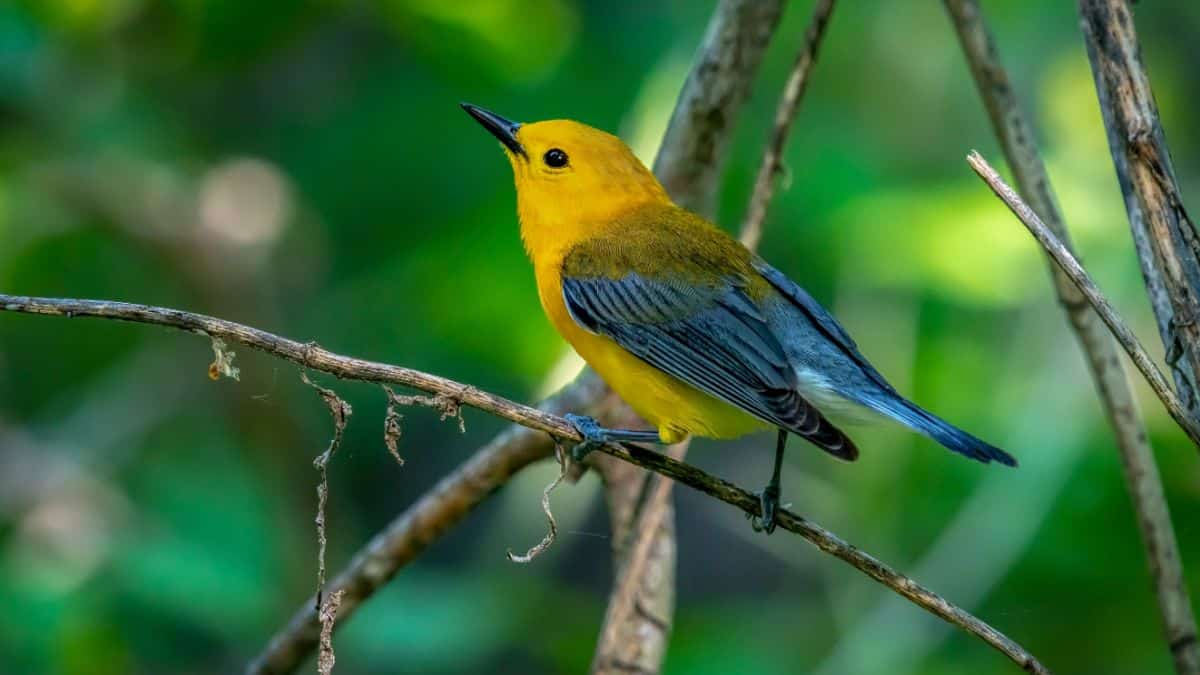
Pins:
x: 304, y: 167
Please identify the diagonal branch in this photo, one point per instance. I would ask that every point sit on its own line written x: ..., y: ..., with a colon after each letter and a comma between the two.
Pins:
x: 1083, y: 281
x: 833, y: 545
x: 694, y: 147
x: 1112, y: 382
x: 1164, y: 235
x: 785, y: 115
x: 347, y: 367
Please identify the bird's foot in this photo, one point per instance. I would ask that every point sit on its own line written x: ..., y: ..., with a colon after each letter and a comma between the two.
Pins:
x: 769, y: 501
x: 593, y: 435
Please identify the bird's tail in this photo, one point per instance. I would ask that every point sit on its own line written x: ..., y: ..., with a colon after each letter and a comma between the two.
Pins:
x: 917, y: 418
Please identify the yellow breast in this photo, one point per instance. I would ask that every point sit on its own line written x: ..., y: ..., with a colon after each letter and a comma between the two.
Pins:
x: 675, y: 408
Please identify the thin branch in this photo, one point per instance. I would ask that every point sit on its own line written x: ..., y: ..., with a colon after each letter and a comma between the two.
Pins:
x: 309, y: 355
x: 785, y: 114
x: 1112, y: 382
x: 833, y: 545
x: 1165, y: 237
x: 1081, y: 279
x: 637, y: 621
x: 357, y: 369
x: 693, y: 149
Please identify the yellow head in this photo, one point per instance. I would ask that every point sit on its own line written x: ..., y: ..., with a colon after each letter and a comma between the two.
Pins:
x: 572, y: 180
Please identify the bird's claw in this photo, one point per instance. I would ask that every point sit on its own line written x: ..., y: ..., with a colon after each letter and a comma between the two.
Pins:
x: 592, y: 432
x: 769, y: 501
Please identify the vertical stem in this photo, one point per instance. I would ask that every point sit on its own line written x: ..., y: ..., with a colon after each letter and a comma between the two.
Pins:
x: 701, y: 127
x: 785, y: 114
x: 1165, y: 237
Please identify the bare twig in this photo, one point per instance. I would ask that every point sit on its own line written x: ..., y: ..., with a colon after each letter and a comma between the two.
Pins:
x: 340, y: 411
x: 357, y: 369
x: 1081, y: 279
x: 308, y: 355
x: 637, y: 622
x: 1112, y: 383
x: 546, y: 541
x: 1165, y: 237
x: 693, y: 149
x: 319, y: 520
x: 785, y: 114
x: 329, y: 612
x: 831, y: 544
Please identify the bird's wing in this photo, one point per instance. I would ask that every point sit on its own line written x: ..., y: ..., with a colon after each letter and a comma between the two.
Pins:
x: 712, y: 337
x: 821, y: 319
x: 887, y: 401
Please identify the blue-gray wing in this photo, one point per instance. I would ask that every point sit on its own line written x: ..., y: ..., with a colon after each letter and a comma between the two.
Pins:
x: 859, y: 379
x: 713, y: 338
x: 821, y: 320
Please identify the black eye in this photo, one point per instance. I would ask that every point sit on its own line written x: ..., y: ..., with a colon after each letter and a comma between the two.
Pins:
x: 555, y: 158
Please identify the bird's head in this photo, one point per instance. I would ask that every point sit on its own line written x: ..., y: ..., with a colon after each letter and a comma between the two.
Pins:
x: 570, y: 177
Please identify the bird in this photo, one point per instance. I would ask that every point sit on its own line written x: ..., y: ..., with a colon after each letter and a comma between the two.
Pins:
x: 696, y: 333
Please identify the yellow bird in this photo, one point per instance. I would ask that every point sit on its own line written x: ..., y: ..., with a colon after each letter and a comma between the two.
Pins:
x: 700, y: 336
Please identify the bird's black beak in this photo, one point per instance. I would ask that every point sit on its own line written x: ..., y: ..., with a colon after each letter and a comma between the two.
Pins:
x: 505, y: 130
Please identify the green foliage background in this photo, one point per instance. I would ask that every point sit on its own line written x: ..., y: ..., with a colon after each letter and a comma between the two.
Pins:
x: 303, y: 167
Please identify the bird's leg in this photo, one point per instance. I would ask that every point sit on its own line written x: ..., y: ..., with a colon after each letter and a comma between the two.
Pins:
x: 769, y: 497
x: 595, y: 435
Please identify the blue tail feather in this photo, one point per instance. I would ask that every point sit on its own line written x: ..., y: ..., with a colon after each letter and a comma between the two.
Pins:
x: 954, y: 439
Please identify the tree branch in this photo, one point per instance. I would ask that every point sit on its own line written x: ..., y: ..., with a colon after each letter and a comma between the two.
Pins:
x: 1083, y: 281
x: 638, y: 620
x: 831, y: 544
x: 346, y: 367
x: 693, y: 149
x: 1164, y: 236
x: 785, y: 114
x: 1112, y: 382
x: 308, y: 355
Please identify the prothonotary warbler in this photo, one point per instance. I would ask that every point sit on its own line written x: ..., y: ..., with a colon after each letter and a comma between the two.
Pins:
x: 700, y: 336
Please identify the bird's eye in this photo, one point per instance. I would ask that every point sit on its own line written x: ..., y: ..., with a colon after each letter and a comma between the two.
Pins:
x: 555, y: 158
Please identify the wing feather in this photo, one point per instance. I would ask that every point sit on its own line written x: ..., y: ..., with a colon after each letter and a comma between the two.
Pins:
x: 821, y: 320
x: 714, y: 338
